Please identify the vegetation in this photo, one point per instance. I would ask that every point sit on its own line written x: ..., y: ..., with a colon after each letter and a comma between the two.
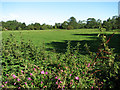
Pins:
x: 71, y: 23
x: 86, y: 55
x: 28, y: 65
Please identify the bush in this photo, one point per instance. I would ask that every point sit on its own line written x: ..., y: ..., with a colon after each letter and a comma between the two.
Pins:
x: 27, y: 66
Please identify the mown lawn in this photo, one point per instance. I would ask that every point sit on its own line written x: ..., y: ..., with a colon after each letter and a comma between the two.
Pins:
x: 58, y: 39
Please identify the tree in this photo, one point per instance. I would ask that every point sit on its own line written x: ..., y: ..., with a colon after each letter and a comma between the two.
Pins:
x: 73, y: 23
x: 37, y: 26
x: 23, y: 26
x: 64, y: 25
x: 91, y: 23
x: 81, y: 24
x: 44, y: 27
x: 31, y: 26
x: 118, y: 22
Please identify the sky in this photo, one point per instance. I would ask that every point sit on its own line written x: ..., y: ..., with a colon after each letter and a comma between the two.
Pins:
x: 52, y: 12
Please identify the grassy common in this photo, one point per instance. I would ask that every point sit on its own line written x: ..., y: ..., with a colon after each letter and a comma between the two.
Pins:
x: 62, y: 61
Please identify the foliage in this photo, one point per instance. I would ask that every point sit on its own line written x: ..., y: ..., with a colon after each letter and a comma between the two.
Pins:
x: 91, y: 23
x: 28, y: 66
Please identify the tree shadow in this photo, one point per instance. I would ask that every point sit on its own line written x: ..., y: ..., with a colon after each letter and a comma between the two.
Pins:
x: 94, y: 43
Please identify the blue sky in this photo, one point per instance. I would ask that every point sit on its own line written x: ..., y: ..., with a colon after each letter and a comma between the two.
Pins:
x: 51, y: 12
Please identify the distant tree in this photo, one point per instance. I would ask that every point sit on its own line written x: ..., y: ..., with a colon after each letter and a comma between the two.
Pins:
x: 11, y: 25
x: 72, y: 22
x: 91, y: 23
x: 114, y: 22
x: 23, y: 26
x: 31, y: 26
x: 118, y: 22
x: 37, y: 26
x: 44, y: 27
x: 64, y: 25
x: 70, y: 27
x: 81, y: 24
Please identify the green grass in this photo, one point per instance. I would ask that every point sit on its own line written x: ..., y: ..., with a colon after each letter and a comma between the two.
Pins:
x: 58, y: 39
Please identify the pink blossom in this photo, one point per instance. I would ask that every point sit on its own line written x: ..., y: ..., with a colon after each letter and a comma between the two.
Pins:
x: 83, y: 72
x: 60, y: 81
x: 46, y: 72
x: 63, y: 86
x: 25, y: 83
x: 2, y: 85
x: 92, y: 87
x: 77, y: 78
x: 14, y: 83
x: 88, y: 65
x: 18, y: 87
x: 56, y: 82
x: 34, y: 69
x: 29, y: 78
x: 30, y: 74
x: 71, y: 82
x: 32, y: 83
x: 41, y: 82
x: 55, y: 77
x: 70, y: 74
x: 18, y: 79
x: 14, y: 76
x: 6, y: 74
x: 22, y: 71
x: 6, y: 82
x: 42, y: 72
x: 61, y: 70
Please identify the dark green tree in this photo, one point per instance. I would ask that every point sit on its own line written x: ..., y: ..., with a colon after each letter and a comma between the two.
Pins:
x: 64, y: 25
x: 72, y: 23
x: 91, y: 23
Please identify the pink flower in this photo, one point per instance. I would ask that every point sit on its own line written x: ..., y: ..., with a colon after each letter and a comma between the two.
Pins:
x: 6, y: 82
x: 71, y: 83
x: 34, y: 69
x: 42, y: 72
x: 22, y: 71
x: 83, y: 72
x: 92, y: 87
x: 70, y: 74
x: 77, y: 78
x: 30, y: 74
x: 29, y: 78
x: 56, y: 82
x: 14, y: 76
x: 2, y: 85
x: 46, y: 72
x: 14, y: 83
x: 55, y: 77
x: 6, y: 74
x: 18, y: 79
x: 25, y: 83
x: 88, y: 65
x: 41, y: 82
x: 18, y: 87
x: 60, y: 81
x: 32, y: 83
x: 63, y: 86
x: 61, y: 70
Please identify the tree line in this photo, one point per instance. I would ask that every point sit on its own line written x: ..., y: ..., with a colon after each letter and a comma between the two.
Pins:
x: 71, y: 23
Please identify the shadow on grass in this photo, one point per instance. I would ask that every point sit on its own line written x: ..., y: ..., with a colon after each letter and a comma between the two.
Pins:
x: 60, y: 47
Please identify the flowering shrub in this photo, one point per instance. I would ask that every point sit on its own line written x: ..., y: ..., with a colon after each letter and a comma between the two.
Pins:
x: 27, y: 66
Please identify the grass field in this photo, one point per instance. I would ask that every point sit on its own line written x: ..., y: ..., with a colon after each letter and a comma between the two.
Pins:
x: 57, y: 39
